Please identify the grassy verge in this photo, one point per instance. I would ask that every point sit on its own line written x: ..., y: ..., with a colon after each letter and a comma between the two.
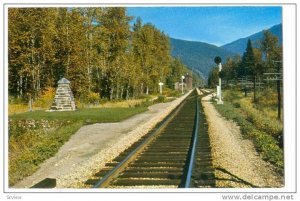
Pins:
x: 262, y: 132
x: 37, y: 136
x: 89, y: 115
x: 260, y: 114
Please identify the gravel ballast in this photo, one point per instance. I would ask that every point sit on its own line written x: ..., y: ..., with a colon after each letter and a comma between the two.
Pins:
x: 235, y: 159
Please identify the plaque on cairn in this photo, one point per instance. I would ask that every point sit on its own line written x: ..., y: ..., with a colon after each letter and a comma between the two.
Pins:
x: 64, y: 99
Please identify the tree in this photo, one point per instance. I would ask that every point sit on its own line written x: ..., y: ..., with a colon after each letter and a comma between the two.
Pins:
x: 70, y: 52
x: 257, y: 70
x: 31, y: 51
x: 213, y: 77
x: 151, y: 49
x: 229, y: 69
x: 176, y: 71
x: 247, y: 64
x: 95, y: 48
x: 273, y: 53
x: 116, y: 33
x: 92, y: 41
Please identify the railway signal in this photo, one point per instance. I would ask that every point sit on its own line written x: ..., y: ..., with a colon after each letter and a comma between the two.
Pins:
x: 218, y: 61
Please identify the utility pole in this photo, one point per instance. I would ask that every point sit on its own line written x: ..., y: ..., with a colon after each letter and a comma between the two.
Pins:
x: 182, y: 78
x: 278, y: 77
x: 160, y: 87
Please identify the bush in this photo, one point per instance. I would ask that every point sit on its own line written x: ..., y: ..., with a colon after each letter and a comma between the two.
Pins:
x: 171, y: 93
x: 46, y: 99
x: 93, y: 98
x: 145, y: 103
x: 160, y: 99
x: 267, y: 97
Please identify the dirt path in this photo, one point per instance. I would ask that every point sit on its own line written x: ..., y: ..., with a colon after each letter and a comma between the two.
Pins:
x: 236, y: 161
x: 92, y: 146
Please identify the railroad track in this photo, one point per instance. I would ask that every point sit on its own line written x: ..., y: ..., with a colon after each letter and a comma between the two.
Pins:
x: 176, y: 153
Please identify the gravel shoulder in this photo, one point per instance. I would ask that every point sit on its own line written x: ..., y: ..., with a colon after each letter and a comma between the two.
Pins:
x: 92, y: 146
x: 235, y: 159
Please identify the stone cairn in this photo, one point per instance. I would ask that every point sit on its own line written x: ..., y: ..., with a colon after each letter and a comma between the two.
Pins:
x: 64, y: 99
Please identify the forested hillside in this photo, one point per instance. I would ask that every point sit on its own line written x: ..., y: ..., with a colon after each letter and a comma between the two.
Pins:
x: 198, y: 56
x: 240, y: 45
x: 95, y: 48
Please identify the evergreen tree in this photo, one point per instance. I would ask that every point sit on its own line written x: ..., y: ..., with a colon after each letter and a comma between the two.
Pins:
x: 213, y: 78
x: 247, y: 64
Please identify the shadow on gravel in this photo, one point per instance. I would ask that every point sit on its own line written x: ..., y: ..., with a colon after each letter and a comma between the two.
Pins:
x: 234, y: 178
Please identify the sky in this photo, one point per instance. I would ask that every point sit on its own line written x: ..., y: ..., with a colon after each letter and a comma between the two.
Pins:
x: 214, y: 25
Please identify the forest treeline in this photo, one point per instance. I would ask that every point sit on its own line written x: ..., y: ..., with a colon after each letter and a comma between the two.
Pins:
x: 258, y: 69
x: 95, y: 48
x: 253, y: 65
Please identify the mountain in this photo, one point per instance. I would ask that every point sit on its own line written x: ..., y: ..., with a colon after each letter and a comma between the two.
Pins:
x: 198, y: 56
x: 240, y: 45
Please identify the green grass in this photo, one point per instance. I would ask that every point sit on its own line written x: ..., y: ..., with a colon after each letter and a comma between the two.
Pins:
x: 260, y: 114
x: 264, y: 142
x: 37, y: 136
x: 89, y: 115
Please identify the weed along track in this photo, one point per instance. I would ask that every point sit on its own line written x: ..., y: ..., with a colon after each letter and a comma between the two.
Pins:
x: 176, y: 153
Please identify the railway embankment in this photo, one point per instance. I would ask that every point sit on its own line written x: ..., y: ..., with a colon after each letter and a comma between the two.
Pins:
x: 237, y: 163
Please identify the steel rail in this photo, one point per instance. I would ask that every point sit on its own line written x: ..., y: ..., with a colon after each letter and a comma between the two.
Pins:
x: 104, y: 181
x: 193, y: 151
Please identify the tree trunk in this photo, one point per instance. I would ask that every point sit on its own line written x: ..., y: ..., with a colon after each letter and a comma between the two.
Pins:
x: 117, y: 92
x: 245, y: 87
x: 98, y: 79
x: 68, y: 52
x: 20, y: 90
x: 254, y: 90
x: 111, y: 93
x: 26, y: 82
x: 279, y: 101
x: 127, y: 93
x: 142, y: 88
x: 122, y: 91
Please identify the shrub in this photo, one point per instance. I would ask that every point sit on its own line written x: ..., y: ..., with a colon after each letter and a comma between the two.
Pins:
x: 171, y: 93
x: 267, y: 97
x: 145, y: 103
x: 93, y: 98
x: 160, y: 99
x: 46, y: 99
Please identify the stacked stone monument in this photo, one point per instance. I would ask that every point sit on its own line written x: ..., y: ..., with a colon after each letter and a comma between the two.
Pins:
x: 64, y: 99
